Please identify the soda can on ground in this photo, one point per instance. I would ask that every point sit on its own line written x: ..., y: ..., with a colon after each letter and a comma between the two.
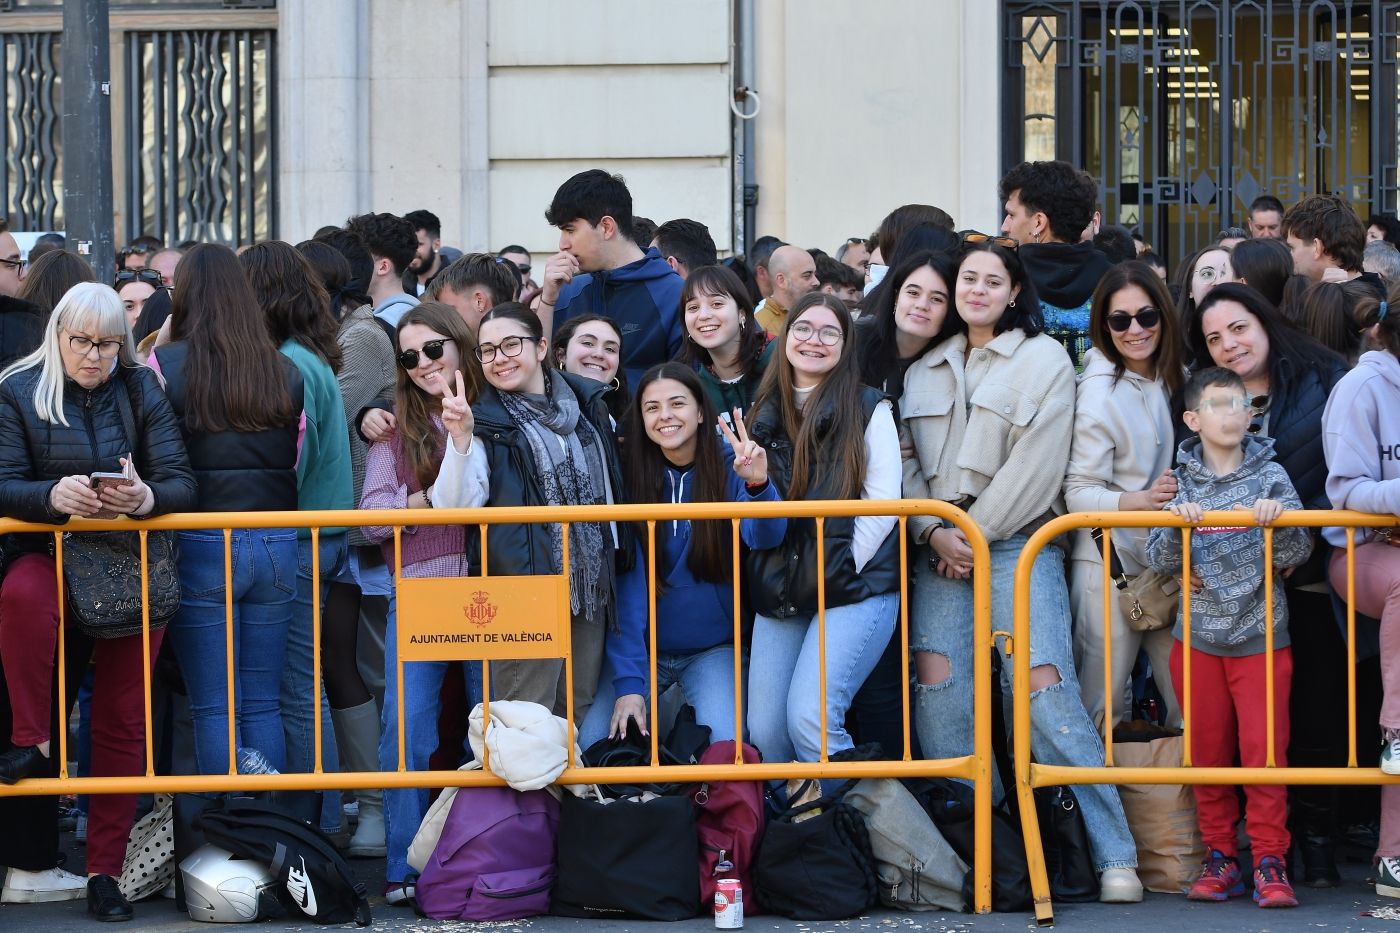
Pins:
x: 729, y: 904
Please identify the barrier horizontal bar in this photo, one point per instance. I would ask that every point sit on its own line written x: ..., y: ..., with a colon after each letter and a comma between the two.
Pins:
x: 1054, y: 775
x: 964, y: 767
x: 502, y: 515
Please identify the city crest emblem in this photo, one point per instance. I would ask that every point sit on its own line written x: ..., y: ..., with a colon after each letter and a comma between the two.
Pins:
x: 480, y: 611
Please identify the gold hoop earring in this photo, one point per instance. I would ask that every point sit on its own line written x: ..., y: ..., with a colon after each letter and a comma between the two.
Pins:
x: 616, y: 383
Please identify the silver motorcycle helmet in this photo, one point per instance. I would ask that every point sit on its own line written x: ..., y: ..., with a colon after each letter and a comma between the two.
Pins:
x: 222, y: 888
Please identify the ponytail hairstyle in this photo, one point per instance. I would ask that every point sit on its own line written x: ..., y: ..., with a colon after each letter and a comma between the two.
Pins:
x: 843, y: 434
x: 1384, y: 316
x: 711, y: 545
x: 421, y: 443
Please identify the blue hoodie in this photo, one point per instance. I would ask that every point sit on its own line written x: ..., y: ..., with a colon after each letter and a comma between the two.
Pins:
x: 1361, y: 439
x: 643, y: 297
x: 691, y: 615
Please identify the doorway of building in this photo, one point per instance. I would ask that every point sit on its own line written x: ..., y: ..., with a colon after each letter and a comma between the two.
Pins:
x: 1184, y: 111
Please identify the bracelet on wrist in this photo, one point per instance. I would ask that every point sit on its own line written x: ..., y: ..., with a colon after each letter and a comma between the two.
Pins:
x: 427, y: 500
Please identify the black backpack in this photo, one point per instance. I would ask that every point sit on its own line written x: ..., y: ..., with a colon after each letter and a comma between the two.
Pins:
x: 815, y: 861
x: 315, y: 879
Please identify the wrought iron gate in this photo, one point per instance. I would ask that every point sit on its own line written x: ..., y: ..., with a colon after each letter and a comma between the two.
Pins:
x: 30, y: 144
x: 1186, y: 110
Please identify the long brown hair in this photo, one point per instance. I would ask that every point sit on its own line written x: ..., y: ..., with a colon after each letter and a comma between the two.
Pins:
x: 1170, y: 357
x: 50, y: 276
x: 840, y: 390
x: 421, y: 445
x: 711, y: 543
x: 294, y: 303
x: 234, y: 376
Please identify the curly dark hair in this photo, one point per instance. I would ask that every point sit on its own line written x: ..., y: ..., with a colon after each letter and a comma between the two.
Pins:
x: 388, y: 236
x: 1061, y: 192
x: 1331, y: 220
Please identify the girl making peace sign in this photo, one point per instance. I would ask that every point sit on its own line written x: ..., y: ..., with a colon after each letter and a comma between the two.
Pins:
x: 675, y: 457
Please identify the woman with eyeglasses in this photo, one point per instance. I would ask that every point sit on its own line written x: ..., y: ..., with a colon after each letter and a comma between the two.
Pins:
x: 77, y: 405
x: 728, y: 348
x: 827, y: 437
x: 991, y: 411
x: 1288, y: 377
x: 239, y: 403
x: 430, y: 460
x: 547, y: 439
x: 1121, y: 459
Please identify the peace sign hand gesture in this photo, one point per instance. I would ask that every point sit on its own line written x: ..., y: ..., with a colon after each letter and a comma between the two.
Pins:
x: 457, y: 415
x: 750, y: 460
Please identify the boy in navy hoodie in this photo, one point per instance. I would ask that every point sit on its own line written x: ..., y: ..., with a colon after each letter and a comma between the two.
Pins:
x: 1226, y: 468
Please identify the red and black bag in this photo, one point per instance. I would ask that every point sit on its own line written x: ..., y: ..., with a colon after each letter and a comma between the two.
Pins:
x: 729, y: 820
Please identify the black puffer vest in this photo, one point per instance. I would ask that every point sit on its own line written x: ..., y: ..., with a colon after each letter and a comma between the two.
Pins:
x: 783, y: 580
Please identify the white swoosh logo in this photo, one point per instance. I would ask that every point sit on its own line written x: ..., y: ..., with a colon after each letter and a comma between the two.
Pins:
x: 299, y: 886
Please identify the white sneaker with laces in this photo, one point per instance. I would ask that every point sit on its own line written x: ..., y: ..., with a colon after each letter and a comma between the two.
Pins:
x: 1390, y: 754
x: 1119, y: 886
x: 1388, y: 877
x: 42, y: 887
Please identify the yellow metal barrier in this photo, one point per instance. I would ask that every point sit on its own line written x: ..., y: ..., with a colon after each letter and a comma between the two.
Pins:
x: 1030, y: 775
x: 975, y: 768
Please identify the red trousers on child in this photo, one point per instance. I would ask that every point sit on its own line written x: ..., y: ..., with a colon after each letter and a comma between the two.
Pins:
x: 28, y: 639
x: 1227, y: 716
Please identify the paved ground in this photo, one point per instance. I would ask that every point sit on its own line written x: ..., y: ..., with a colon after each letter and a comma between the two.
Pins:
x: 1339, y: 910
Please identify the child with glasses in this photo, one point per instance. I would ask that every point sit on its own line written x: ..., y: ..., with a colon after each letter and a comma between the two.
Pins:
x: 1225, y: 468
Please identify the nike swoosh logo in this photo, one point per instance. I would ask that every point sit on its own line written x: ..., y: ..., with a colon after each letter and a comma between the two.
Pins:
x: 299, y: 886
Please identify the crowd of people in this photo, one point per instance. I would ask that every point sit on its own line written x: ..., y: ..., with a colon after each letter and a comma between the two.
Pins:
x: 1045, y: 367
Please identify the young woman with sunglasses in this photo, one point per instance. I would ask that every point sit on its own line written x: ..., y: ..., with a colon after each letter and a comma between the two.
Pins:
x: 991, y: 412
x: 1289, y: 376
x: 676, y: 456
x: 430, y: 457
x: 547, y: 440
x: 1122, y: 457
x: 827, y: 437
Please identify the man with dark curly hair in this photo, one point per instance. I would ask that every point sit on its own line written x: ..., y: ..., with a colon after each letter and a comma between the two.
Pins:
x: 392, y: 245
x: 1048, y: 205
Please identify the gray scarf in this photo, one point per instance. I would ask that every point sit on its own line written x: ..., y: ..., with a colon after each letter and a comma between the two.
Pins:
x: 571, y: 471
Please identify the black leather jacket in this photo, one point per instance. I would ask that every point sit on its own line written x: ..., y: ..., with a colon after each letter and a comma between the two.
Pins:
x: 783, y: 580
x: 238, y: 471
x: 35, y: 454
x: 527, y: 549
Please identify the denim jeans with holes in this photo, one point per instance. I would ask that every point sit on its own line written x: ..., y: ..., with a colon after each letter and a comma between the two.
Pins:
x: 1061, y: 731
x: 264, y: 584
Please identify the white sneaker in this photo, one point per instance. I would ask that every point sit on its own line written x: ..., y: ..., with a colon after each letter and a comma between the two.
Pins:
x: 1119, y: 886
x: 42, y: 887
x: 1390, y: 754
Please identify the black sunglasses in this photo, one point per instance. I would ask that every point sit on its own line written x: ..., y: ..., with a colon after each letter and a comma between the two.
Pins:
x: 150, y: 276
x: 135, y: 250
x: 972, y: 236
x: 408, y: 359
x: 1148, y: 318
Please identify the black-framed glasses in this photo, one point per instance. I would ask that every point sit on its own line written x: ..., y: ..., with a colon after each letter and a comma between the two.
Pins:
x: 828, y: 336
x: 151, y: 277
x: 1148, y: 318
x: 408, y: 359
x: 106, y: 349
x: 510, y: 347
x: 972, y: 237
x: 17, y: 264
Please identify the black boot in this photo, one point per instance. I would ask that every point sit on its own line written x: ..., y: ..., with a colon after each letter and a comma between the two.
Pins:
x: 1315, y: 832
x: 105, y: 900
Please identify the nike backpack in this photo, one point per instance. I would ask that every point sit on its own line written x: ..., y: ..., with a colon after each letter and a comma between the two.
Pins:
x: 314, y: 879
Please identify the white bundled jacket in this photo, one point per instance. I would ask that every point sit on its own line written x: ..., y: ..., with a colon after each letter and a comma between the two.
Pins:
x: 1123, y: 440
x: 1006, y: 445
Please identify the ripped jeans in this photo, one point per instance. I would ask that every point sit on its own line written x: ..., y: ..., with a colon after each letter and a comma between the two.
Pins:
x: 1061, y: 731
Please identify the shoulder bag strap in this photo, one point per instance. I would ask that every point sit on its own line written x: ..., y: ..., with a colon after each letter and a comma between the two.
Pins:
x: 1115, y: 566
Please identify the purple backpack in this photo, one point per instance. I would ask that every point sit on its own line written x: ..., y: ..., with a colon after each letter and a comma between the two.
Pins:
x: 495, y: 859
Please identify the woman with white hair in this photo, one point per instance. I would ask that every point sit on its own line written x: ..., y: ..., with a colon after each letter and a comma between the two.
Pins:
x: 80, y: 404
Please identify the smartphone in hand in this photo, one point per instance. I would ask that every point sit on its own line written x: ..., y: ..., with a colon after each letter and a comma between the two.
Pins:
x: 101, y: 481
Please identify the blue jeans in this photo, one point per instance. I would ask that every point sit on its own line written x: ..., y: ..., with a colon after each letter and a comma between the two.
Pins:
x: 405, y: 807
x: 264, y: 585
x: 706, y: 677
x: 784, y: 692
x: 1061, y: 731
x: 298, y: 713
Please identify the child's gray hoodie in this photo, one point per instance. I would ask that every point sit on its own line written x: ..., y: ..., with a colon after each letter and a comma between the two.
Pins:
x: 1227, y: 616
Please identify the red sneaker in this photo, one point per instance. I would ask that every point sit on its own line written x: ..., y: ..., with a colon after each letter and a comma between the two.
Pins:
x: 1271, y: 887
x: 1220, y: 879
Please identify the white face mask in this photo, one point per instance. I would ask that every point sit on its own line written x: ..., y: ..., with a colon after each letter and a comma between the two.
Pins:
x: 877, y: 272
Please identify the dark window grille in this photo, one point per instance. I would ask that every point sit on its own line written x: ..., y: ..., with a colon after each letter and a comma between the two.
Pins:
x: 202, y: 135
x: 30, y: 141
x: 1186, y: 110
